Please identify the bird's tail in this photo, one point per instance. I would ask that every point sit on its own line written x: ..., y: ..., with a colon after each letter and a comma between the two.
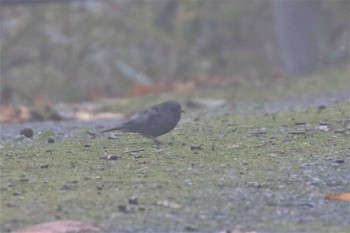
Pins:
x: 112, y: 129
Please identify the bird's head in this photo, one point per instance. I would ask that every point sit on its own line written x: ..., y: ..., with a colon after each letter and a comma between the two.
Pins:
x: 172, y: 106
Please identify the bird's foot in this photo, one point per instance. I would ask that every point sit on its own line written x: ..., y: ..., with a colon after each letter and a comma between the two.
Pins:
x: 156, y: 141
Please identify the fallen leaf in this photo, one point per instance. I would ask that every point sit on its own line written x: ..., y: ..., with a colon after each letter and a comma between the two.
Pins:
x: 233, y: 146
x: 338, y: 196
x: 297, y: 132
x: 108, y: 115
x: 84, y: 116
x: 167, y: 203
x: 11, y: 114
x: 133, y: 150
x: 63, y: 226
x: 236, y: 231
x: 87, y: 116
x: 324, y: 128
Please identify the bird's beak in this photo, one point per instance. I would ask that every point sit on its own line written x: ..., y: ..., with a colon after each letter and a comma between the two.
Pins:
x: 182, y: 111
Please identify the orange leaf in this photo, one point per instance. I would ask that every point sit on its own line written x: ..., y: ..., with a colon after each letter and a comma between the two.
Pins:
x: 10, y: 114
x: 140, y: 90
x: 338, y: 196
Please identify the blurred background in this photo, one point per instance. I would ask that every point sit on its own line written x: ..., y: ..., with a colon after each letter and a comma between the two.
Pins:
x: 78, y: 50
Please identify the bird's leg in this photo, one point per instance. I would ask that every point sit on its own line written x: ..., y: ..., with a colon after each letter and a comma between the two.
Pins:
x: 155, y: 140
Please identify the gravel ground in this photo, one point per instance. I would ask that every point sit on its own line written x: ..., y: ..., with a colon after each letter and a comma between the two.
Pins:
x: 66, y: 129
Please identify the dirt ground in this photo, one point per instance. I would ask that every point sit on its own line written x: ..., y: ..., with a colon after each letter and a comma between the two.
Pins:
x: 238, y: 166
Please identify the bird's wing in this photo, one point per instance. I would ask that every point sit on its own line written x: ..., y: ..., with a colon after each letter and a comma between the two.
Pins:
x: 153, y: 114
x: 147, y: 117
x: 142, y: 119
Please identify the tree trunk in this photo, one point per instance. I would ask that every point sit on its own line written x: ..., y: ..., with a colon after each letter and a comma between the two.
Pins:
x: 298, y: 29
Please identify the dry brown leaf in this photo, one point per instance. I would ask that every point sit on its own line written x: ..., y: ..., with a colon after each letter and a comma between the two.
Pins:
x: 338, y: 196
x: 10, y: 114
x: 184, y: 86
x: 109, y: 115
x: 83, y: 115
x: 87, y: 116
x: 159, y: 87
x: 6, y: 113
x: 141, y: 90
x: 63, y: 226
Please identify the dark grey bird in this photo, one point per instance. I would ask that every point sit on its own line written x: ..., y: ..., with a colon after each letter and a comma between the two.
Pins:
x: 153, y: 121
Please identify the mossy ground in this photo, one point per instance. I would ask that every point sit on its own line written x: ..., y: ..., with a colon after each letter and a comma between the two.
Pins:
x: 217, y: 171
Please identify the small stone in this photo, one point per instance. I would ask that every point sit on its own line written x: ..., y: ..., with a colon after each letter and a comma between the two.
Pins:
x: 260, y: 132
x: 72, y: 185
x: 113, y: 157
x: 190, y: 228
x: 27, y: 132
x: 110, y: 137
x: 321, y: 107
x: 10, y: 154
x: 297, y: 132
x: 197, y: 147
x: 339, y: 161
x: 124, y: 209
x: 50, y: 140
x: 11, y: 205
x: 134, y: 200
x: 24, y: 179
x: 244, y: 163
